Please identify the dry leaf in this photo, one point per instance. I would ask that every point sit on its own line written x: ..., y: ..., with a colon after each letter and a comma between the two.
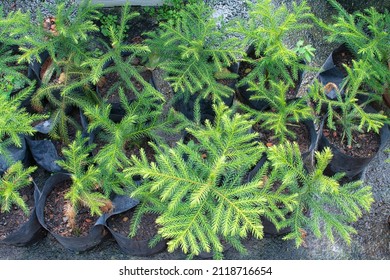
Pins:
x: 62, y: 78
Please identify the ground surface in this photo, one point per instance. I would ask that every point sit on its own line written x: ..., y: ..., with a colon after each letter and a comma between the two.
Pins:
x: 372, y: 241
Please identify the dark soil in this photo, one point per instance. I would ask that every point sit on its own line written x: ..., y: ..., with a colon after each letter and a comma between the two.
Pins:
x: 364, y: 145
x: 130, y: 148
x: 343, y: 58
x: 56, y: 220
x: 11, y: 221
x: 246, y: 68
x: 135, y: 150
x: 300, y: 130
x: 146, y: 230
x: 111, y: 79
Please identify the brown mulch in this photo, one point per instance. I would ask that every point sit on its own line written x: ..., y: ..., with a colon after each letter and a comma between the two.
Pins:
x: 300, y: 130
x: 121, y: 224
x: 364, y: 145
x: 56, y: 220
x: 11, y: 221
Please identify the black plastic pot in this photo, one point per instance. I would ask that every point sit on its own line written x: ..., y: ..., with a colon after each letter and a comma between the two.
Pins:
x: 31, y: 231
x: 128, y: 245
x: 244, y: 95
x: 97, y: 234
x: 16, y: 154
x: 353, y: 167
x: 331, y: 73
x: 186, y: 107
x: 44, y: 151
x: 34, y: 68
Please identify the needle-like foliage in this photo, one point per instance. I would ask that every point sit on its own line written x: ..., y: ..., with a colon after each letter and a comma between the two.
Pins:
x: 200, y: 186
x: 281, y: 112
x: 323, y: 206
x: 266, y: 31
x: 143, y: 119
x: 86, y: 186
x: 11, y: 73
x: 15, y: 121
x: 366, y: 33
x: 346, y: 110
x: 119, y: 57
x: 15, y: 178
x: 66, y: 39
x: 192, y: 50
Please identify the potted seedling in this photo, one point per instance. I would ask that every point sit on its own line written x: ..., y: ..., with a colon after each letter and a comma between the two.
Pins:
x: 268, y: 57
x: 57, y: 47
x: 197, y: 189
x: 322, y: 205
x: 194, y: 53
x: 366, y: 36
x: 283, y: 119
x: 15, y: 124
x: 13, y: 75
x: 120, y: 64
x: 144, y: 120
x: 71, y: 203
x: 354, y: 130
x: 19, y: 225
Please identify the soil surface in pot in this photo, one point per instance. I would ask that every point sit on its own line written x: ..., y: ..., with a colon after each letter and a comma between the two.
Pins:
x: 135, y: 150
x: 246, y: 68
x: 11, y: 221
x: 364, y: 145
x: 110, y: 79
x: 300, y: 130
x: 342, y: 58
x: 56, y: 220
x: 146, y: 230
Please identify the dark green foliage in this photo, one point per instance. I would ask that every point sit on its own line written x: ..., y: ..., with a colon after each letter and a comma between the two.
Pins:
x: 14, y: 179
x: 346, y: 110
x: 281, y: 112
x: 119, y: 57
x: 14, y: 120
x: 192, y: 50
x: 266, y: 30
x: 107, y: 21
x: 322, y: 205
x: 86, y: 186
x: 198, y: 189
x: 169, y: 11
x: 366, y: 33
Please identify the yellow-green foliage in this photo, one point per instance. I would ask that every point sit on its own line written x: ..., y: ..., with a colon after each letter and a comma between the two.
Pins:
x: 346, y: 110
x: 267, y: 28
x: 14, y: 179
x: 15, y: 121
x: 86, y: 177
x: 322, y: 205
x: 367, y: 35
x: 198, y: 189
x: 192, y: 49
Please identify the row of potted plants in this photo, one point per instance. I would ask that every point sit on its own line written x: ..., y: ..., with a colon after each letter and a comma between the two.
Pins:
x: 106, y: 124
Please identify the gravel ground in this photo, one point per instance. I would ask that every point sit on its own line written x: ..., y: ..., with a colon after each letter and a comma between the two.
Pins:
x: 372, y: 241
